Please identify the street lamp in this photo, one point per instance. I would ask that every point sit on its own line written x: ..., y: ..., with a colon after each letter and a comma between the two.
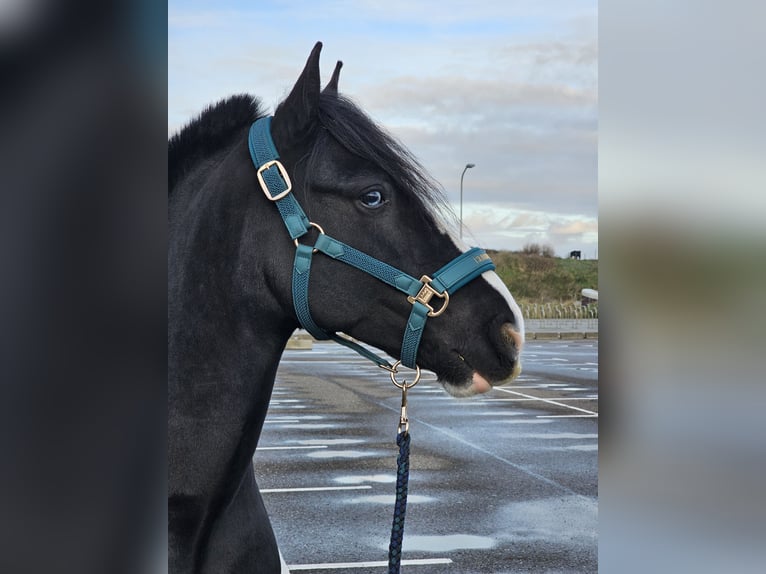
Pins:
x: 467, y: 166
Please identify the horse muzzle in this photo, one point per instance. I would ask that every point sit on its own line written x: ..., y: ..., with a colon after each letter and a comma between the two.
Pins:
x: 507, y: 342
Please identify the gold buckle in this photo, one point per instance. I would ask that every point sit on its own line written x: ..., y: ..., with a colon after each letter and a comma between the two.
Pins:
x: 282, y: 172
x: 425, y: 295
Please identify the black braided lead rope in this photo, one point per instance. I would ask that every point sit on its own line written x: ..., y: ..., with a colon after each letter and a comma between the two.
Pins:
x: 402, y: 480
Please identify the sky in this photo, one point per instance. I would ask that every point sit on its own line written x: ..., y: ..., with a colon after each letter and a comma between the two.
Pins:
x: 509, y: 86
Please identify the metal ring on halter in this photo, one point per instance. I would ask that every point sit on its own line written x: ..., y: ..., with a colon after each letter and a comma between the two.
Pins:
x: 312, y: 224
x: 403, y: 385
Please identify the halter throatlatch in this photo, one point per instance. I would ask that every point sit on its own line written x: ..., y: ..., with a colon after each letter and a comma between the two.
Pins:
x: 429, y: 295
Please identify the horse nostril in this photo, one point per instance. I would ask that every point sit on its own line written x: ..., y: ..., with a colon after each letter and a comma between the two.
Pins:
x: 512, y: 338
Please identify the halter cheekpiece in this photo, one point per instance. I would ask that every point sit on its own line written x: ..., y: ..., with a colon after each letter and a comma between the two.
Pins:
x: 428, y: 295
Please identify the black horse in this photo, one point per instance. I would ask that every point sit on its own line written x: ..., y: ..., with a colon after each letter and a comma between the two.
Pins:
x: 230, y: 305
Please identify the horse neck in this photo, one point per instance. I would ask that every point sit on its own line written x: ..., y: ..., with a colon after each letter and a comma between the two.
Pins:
x: 226, y: 330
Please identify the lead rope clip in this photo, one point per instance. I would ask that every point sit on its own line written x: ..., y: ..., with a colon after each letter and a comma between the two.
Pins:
x: 404, y: 422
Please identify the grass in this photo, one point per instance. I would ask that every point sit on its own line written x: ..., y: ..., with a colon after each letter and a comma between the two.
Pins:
x: 537, y: 279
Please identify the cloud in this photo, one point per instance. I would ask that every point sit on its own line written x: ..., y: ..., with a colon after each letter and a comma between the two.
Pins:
x: 573, y: 227
x: 528, y: 221
x: 584, y: 53
x: 500, y: 227
x: 452, y: 96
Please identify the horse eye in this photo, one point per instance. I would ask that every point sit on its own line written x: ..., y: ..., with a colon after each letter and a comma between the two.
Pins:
x: 372, y: 198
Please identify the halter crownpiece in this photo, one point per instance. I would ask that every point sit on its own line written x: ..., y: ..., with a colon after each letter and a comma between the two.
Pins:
x: 428, y: 295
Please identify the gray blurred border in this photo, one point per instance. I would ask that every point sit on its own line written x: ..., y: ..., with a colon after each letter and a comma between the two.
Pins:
x: 682, y: 197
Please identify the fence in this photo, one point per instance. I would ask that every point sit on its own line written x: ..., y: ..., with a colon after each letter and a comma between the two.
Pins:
x: 558, y: 311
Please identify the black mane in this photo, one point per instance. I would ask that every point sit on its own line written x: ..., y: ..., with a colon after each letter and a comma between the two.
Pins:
x: 341, y: 119
x: 209, y: 132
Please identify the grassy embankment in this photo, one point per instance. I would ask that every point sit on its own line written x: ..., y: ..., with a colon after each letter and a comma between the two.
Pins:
x: 542, y: 280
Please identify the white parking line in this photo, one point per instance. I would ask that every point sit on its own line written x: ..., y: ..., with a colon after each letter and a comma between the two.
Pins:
x: 296, y: 417
x: 536, y: 399
x: 290, y: 447
x: 591, y: 416
x: 380, y: 564
x: 549, y: 401
x: 315, y: 488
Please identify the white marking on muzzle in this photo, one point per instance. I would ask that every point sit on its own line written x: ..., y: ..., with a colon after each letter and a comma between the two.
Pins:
x: 494, y: 280
x: 491, y: 277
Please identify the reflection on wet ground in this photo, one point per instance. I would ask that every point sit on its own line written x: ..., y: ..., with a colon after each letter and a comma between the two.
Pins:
x: 448, y: 543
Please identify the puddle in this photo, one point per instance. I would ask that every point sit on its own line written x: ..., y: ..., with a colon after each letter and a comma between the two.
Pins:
x: 323, y: 441
x: 389, y: 499
x: 447, y: 543
x: 341, y: 454
x: 560, y: 435
x: 528, y: 422
x: 380, y: 478
x: 578, y: 447
x: 566, y: 520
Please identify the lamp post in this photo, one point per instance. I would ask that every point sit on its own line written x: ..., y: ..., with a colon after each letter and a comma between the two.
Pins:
x: 467, y: 167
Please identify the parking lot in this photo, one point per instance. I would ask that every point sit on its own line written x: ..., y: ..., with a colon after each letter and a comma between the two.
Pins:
x: 505, y: 482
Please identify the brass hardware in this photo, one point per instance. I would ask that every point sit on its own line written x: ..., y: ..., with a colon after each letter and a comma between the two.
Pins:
x: 394, y: 370
x: 404, y: 421
x: 282, y: 172
x: 425, y: 295
x: 481, y: 257
x: 319, y: 228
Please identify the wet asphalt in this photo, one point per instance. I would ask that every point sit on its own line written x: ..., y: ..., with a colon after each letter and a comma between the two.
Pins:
x: 505, y: 482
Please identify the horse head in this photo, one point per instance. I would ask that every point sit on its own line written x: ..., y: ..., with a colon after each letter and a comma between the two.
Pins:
x: 359, y: 185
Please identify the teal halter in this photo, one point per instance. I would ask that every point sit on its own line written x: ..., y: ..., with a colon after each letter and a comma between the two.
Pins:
x: 276, y: 185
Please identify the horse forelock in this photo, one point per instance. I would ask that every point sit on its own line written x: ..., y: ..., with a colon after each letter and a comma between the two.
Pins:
x: 353, y: 129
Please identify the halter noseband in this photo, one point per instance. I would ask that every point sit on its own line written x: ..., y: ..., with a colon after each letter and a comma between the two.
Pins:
x: 277, y: 187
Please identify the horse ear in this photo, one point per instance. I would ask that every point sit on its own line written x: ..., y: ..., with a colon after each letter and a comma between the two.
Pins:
x: 295, y: 117
x: 332, y: 85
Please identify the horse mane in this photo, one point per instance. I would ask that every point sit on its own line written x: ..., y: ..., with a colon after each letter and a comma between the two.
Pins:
x: 211, y: 131
x: 351, y: 127
x: 217, y: 125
